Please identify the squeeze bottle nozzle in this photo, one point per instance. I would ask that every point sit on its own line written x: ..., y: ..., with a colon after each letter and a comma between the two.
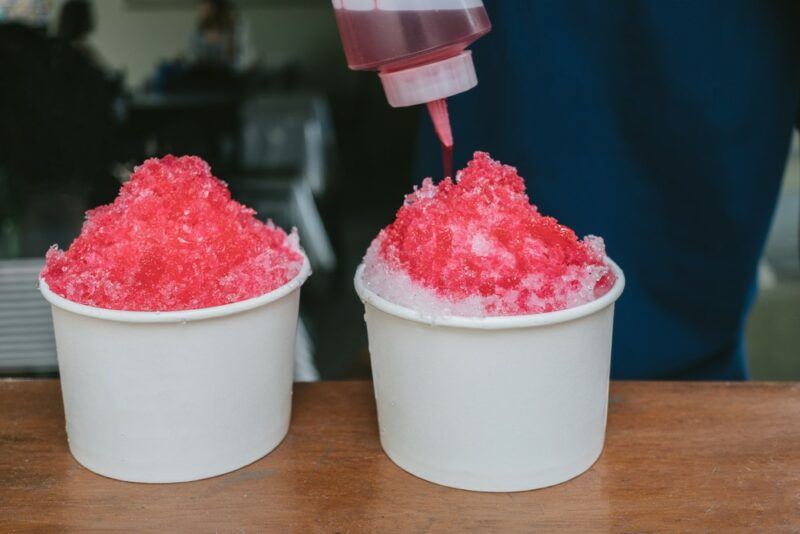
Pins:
x: 430, y: 81
x: 418, y: 48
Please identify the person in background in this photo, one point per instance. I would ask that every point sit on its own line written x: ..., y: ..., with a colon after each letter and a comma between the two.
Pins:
x: 76, y: 22
x: 57, y: 133
x: 220, y: 38
x: 663, y: 127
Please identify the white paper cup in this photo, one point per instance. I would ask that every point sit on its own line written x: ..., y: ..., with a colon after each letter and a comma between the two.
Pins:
x: 176, y: 396
x: 496, y: 403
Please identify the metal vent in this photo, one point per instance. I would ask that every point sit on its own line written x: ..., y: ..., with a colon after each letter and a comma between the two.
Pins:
x: 26, y: 328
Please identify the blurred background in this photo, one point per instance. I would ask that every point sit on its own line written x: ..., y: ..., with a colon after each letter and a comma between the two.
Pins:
x: 261, y: 90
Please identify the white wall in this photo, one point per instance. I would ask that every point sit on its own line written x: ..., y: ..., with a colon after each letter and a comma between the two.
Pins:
x: 135, y: 40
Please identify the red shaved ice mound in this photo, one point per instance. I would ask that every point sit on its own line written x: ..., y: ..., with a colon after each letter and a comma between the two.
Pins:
x: 172, y: 240
x: 478, y: 247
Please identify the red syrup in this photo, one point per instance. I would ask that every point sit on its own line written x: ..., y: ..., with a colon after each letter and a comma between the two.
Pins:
x: 441, y: 123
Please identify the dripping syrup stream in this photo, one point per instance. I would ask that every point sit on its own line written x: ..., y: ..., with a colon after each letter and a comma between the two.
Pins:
x: 441, y: 123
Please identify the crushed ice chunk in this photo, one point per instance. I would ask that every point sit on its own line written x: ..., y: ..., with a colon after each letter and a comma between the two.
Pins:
x: 478, y: 247
x: 172, y: 240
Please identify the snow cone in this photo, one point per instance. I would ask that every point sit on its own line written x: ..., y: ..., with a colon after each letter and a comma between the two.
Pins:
x: 175, y: 314
x: 490, y: 335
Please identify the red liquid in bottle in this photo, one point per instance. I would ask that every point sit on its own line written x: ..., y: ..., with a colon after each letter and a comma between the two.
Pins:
x: 378, y: 39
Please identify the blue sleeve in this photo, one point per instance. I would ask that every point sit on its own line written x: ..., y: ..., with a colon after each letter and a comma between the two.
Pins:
x: 662, y: 127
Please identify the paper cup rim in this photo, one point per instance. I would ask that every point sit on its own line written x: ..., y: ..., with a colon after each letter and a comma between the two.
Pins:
x: 492, y: 322
x: 179, y: 316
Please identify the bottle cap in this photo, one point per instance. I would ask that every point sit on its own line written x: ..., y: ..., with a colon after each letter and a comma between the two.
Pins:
x: 429, y: 82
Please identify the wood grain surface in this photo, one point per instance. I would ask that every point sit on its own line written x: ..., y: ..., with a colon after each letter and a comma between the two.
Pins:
x: 679, y: 457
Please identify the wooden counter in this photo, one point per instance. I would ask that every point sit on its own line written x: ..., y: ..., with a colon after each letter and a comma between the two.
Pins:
x: 678, y: 456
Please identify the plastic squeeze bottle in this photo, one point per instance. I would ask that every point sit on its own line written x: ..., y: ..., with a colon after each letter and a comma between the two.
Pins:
x: 418, y: 48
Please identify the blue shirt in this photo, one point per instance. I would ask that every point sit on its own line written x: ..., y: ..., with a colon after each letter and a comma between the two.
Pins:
x: 662, y: 127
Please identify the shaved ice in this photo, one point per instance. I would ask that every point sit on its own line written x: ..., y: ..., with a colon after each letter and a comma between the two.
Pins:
x: 477, y: 247
x: 172, y: 240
